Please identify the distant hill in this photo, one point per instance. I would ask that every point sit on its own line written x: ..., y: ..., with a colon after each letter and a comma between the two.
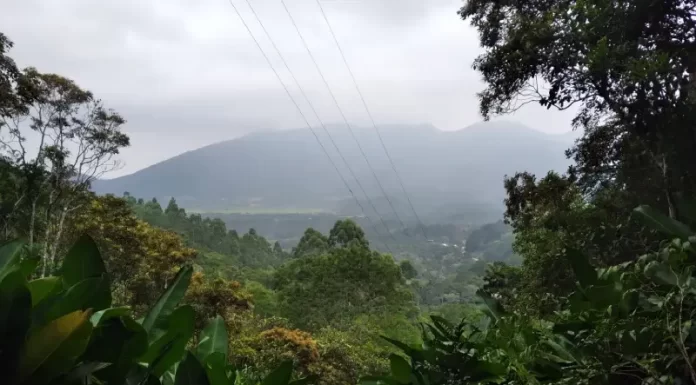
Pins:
x: 447, y: 173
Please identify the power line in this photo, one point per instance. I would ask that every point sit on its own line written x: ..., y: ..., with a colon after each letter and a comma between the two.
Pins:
x: 303, y: 115
x: 345, y: 120
x: 311, y: 106
x: 369, y: 114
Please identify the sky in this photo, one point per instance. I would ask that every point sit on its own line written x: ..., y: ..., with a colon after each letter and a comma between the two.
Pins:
x: 186, y: 73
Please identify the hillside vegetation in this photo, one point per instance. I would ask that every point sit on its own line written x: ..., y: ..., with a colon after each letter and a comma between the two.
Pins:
x: 588, y: 279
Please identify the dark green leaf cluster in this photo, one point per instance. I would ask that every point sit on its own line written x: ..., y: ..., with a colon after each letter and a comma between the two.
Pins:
x: 62, y: 330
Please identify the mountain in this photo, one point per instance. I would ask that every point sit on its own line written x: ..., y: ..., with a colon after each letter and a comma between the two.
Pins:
x: 444, y: 172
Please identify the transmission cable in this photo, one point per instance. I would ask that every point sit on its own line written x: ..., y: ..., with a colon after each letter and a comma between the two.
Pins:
x: 316, y: 115
x: 369, y: 114
x: 304, y: 118
x: 345, y: 120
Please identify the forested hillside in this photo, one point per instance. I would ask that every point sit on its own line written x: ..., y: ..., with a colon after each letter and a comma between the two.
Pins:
x: 285, y: 171
x: 439, y: 271
x: 589, y: 277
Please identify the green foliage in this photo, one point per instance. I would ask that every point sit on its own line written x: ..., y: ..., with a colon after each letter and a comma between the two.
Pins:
x: 620, y: 67
x: 221, y: 247
x: 345, y: 355
x: 334, y: 288
x: 407, y: 269
x: 311, y: 243
x: 58, y: 337
x: 140, y: 259
x: 627, y: 323
x: 347, y: 233
x: 484, y: 235
x: 213, y: 339
x: 265, y: 300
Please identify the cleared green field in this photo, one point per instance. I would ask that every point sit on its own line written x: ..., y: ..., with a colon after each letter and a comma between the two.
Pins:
x: 261, y: 210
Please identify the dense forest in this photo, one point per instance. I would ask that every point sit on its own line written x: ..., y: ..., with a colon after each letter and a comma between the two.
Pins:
x: 588, y: 278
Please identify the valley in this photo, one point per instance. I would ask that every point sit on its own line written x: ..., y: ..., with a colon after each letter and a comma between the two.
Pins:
x: 379, y: 250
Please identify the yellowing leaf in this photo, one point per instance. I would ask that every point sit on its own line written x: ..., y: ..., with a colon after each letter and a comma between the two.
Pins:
x: 52, y: 350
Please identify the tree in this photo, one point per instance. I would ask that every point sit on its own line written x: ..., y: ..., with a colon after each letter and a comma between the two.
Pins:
x: 172, y: 207
x: 140, y: 258
x: 346, y: 233
x: 552, y: 215
x: 479, y: 238
x: 335, y: 287
x: 630, y: 66
x: 504, y: 283
x: 77, y: 138
x: 217, y: 296
x: 408, y: 270
x: 311, y: 243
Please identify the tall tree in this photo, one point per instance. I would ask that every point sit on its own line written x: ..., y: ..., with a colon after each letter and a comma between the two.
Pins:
x: 346, y: 233
x: 342, y: 283
x: 629, y: 66
x: 311, y: 243
x: 76, y: 140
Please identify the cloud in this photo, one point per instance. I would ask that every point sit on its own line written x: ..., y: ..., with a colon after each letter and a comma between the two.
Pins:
x: 185, y: 73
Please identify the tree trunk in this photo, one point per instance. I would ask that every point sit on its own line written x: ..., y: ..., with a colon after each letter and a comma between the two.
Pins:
x: 44, y: 250
x: 667, y: 189
x: 32, y: 221
x: 59, y: 235
x: 47, y: 235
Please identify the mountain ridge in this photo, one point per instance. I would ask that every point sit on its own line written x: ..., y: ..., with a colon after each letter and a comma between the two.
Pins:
x: 286, y: 168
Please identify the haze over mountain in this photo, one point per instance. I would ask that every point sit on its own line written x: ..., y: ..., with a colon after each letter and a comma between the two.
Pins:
x: 445, y: 172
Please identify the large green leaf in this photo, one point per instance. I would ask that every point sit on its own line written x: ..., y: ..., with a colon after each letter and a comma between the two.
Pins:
x: 280, y: 376
x: 116, y: 340
x: 140, y: 375
x: 213, y: 339
x: 404, y: 347
x: 41, y: 288
x: 400, y: 369
x: 216, y: 367
x: 437, y: 333
x: 442, y: 324
x: 662, y: 273
x: 28, y: 266
x: 687, y: 208
x: 91, y: 293
x: 168, y: 301
x: 493, y: 307
x: 82, y: 261
x: 53, y: 349
x: 106, y: 314
x: 563, y: 349
x: 81, y: 374
x: 584, y: 272
x: 191, y: 372
x: 662, y: 223
x: 167, y: 345
x: 10, y: 255
x: 15, y: 318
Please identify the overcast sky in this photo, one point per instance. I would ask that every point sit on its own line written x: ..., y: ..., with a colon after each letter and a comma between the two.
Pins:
x: 185, y: 73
